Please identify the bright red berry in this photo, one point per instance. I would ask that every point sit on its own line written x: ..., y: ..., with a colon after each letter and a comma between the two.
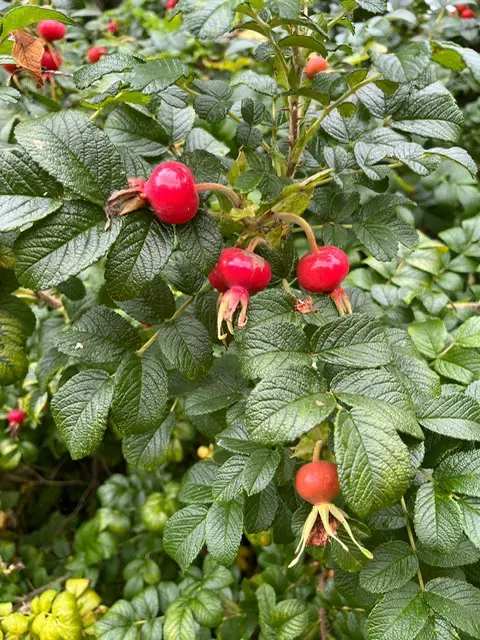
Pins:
x: 112, y: 27
x: 16, y: 416
x: 170, y: 191
x: 315, y: 65
x: 467, y: 14
x: 95, y: 53
x: 216, y: 281
x: 461, y: 7
x: 240, y: 268
x: 10, y: 67
x: 171, y: 4
x: 51, y: 60
x: 322, y: 271
x: 52, y: 30
x: 317, y: 482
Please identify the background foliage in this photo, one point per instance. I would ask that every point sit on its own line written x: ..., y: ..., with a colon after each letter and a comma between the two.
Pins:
x: 150, y: 491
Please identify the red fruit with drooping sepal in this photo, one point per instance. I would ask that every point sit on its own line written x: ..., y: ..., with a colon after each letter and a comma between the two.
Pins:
x: 324, y: 270
x: 171, y: 4
x: 216, y: 281
x: 240, y: 268
x: 16, y: 416
x: 467, y: 14
x: 51, y: 30
x: 317, y: 482
x: 51, y: 60
x: 10, y: 67
x: 315, y: 65
x: 95, y: 53
x: 112, y: 27
x: 170, y: 191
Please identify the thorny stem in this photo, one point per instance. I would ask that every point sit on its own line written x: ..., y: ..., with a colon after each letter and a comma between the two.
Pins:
x: 322, y: 612
x: 213, y: 186
x: 294, y: 219
x: 273, y: 42
x: 412, y: 541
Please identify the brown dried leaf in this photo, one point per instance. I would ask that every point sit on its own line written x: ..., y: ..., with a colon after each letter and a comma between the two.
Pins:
x: 27, y: 53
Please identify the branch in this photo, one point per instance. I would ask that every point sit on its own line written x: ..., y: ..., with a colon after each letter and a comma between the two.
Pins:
x: 49, y: 299
x: 22, y: 600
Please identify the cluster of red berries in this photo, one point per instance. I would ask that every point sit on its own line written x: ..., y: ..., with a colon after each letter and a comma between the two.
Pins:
x: 464, y: 11
x: 51, y: 30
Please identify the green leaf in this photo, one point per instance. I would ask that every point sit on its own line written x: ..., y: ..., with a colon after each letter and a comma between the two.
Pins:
x: 406, y: 65
x: 157, y: 75
x: 130, y: 127
x: 207, y: 608
x: 455, y: 415
x: 118, y: 623
x: 260, y: 83
x: 197, y: 483
x: 80, y: 410
x: 287, y: 404
x: 462, y: 365
x: 17, y: 211
x: 456, y: 154
x: 177, y: 122
x: 289, y: 619
x: 224, y: 530
x: 75, y: 152
x: 438, y: 519
x: 16, y: 323
x: 399, y: 614
x: 266, y: 598
x: 100, y: 336
x: 471, y: 519
x: 464, y: 553
x: 352, y: 340
x: 149, y: 450
x: 179, y: 622
x: 20, y: 17
x: 259, y: 470
x: 63, y: 245
x: 182, y: 274
x: 264, y: 349
x: 457, y: 601
x: 373, y: 6
x: 208, y: 19
x: 373, y: 463
x: 393, y: 565
x: 460, y: 473
x: 114, y: 63
x: 260, y: 510
x: 146, y: 603
x: 201, y: 240
x: 214, y: 102
x: 430, y: 336
x: 431, y: 113
x: 140, y: 251
x: 186, y: 344
x: 155, y: 304
x: 141, y: 393
x: 184, y: 534
x: 468, y: 334
x: 227, y: 483
x: 390, y: 395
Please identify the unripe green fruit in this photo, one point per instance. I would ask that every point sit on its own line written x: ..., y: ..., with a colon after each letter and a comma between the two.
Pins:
x: 154, y: 516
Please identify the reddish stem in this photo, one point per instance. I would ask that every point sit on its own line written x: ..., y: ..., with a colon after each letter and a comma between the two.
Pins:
x: 253, y: 244
x: 292, y: 218
x: 214, y: 186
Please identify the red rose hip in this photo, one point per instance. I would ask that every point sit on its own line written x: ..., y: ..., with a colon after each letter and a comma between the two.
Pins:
x: 112, y: 27
x: 171, y: 192
x: 10, y: 67
x: 51, y: 60
x: 16, y: 416
x: 216, y: 281
x: 317, y: 482
x: 461, y: 7
x: 467, y: 14
x: 51, y: 30
x: 95, y: 53
x: 240, y: 268
x: 315, y: 65
x: 324, y: 270
x: 171, y: 4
